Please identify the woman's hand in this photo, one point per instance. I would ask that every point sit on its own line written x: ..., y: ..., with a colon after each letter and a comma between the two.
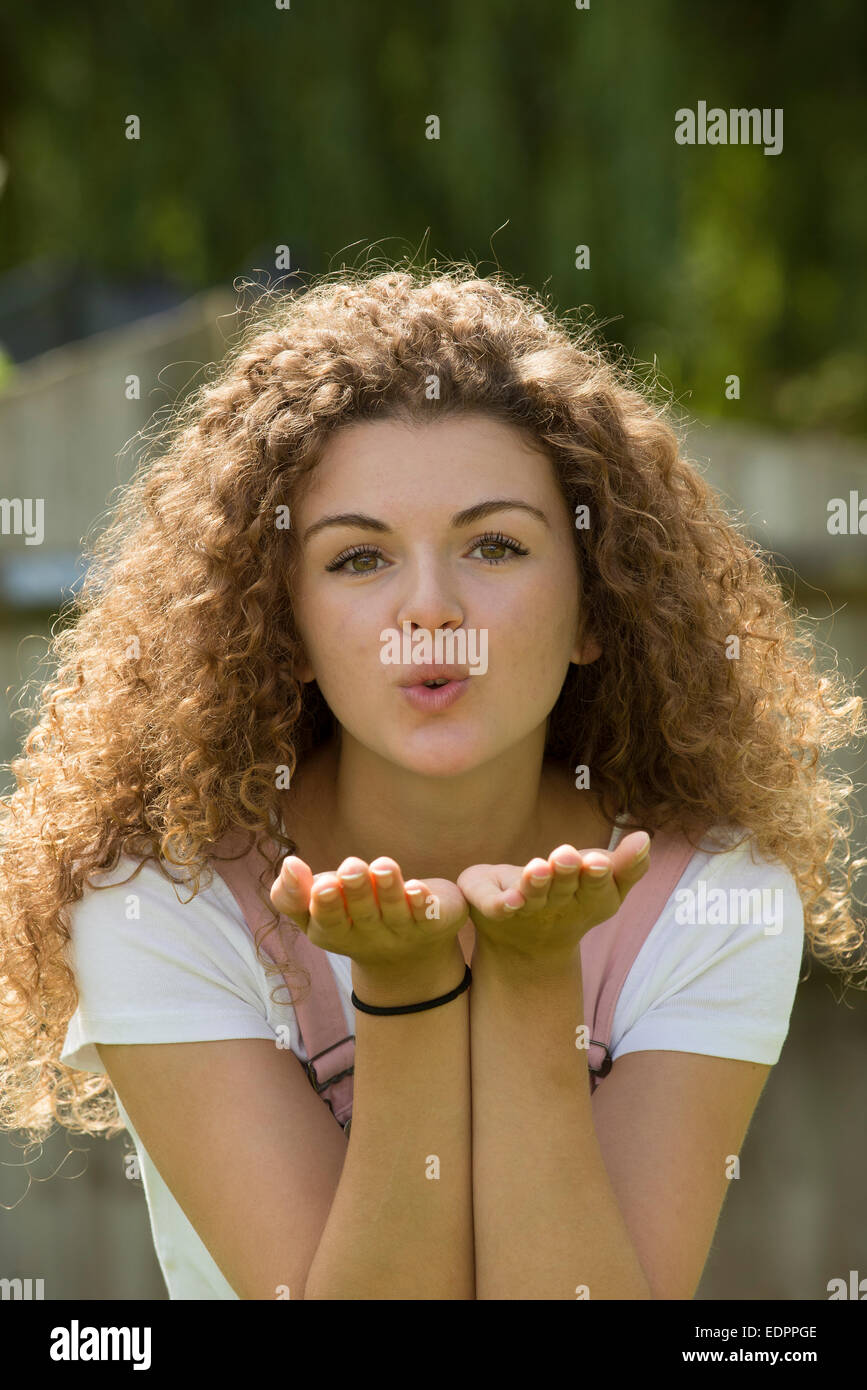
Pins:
x: 548, y: 918
x: 378, y: 921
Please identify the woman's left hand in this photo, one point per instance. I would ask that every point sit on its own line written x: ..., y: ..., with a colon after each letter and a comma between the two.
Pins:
x: 549, y: 918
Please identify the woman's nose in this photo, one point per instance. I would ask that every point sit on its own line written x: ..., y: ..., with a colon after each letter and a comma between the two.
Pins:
x: 430, y: 607
x: 431, y: 623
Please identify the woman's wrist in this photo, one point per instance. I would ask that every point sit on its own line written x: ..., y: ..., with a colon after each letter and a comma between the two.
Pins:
x: 410, y: 982
x: 523, y: 967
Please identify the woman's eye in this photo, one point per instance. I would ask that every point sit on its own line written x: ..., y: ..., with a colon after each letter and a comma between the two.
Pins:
x: 367, y: 552
x: 361, y: 553
x: 498, y: 543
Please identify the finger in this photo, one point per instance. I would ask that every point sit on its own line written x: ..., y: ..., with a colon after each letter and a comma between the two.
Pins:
x: 634, y: 850
x: 532, y: 889
x: 630, y: 861
x: 354, y: 877
x: 621, y: 869
x: 417, y: 894
x: 290, y: 891
x: 596, y: 874
x: 394, y: 905
x: 565, y: 863
x: 453, y: 907
x: 327, y: 908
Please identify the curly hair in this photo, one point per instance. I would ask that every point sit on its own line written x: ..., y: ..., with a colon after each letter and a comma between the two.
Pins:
x: 174, y: 698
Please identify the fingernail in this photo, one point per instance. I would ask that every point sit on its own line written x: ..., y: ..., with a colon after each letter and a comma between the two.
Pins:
x: 328, y: 895
x: 353, y: 879
x: 511, y: 907
x: 538, y: 879
x: 643, y: 848
x: 383, y: 876
x: 596, y: 870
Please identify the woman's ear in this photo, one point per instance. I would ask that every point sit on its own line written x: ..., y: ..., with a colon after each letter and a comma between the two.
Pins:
x: 302, y: 670
x: 586, y: 649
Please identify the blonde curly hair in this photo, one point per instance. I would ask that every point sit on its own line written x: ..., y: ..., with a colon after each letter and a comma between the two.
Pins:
x: 174, y: 698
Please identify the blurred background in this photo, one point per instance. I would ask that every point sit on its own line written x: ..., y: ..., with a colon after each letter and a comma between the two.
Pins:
x: 274, y: 139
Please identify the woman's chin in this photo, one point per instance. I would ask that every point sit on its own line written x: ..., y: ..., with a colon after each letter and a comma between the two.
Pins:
x: 443, y: 763
x: 440, y: 757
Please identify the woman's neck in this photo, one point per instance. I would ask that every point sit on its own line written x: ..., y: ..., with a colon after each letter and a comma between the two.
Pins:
x: 341, y: 805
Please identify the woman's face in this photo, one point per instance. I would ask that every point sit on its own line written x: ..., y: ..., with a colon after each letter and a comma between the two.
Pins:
x: 423, y: 565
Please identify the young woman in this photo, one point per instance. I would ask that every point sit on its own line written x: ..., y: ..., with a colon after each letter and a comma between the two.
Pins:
x: 418, y: 453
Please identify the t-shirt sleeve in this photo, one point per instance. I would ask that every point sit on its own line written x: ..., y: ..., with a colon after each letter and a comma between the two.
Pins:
x: 719, y: 970
x: 151, y: 967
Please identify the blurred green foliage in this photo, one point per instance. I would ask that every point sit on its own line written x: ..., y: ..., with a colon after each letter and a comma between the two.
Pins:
x: 305, y: 126
x: 7, y: 368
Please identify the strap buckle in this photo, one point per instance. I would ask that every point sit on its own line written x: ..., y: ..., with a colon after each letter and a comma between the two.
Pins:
x: 320, y: 1086
x: 607, y: 1063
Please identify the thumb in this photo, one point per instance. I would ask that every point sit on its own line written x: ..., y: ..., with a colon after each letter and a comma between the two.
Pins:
x: 482, y: 885
x: 452, y: 905
x: 630, y: 860
x: 290, y: 891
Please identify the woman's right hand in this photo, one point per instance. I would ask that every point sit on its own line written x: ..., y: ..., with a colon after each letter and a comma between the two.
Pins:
x: 384, y: 926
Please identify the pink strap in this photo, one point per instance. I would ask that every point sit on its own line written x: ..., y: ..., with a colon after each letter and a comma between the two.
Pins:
x: 320, y: 1017
x: 609, y: 949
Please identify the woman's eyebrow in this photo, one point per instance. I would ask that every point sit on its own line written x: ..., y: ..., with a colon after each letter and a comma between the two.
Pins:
x: 467, y: 517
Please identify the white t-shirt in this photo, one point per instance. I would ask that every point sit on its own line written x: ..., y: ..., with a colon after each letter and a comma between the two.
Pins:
x: 712, y: 977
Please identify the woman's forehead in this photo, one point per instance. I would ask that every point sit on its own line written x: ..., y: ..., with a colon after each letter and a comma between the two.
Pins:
x: 393, y: 459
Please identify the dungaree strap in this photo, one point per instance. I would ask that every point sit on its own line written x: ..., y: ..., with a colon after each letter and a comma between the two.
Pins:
x: 609, y: 949
x: 329, y: 1044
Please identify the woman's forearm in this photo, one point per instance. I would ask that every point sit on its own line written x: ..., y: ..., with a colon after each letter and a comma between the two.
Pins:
x: 401, y: 1223
x: 547, y: 1222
